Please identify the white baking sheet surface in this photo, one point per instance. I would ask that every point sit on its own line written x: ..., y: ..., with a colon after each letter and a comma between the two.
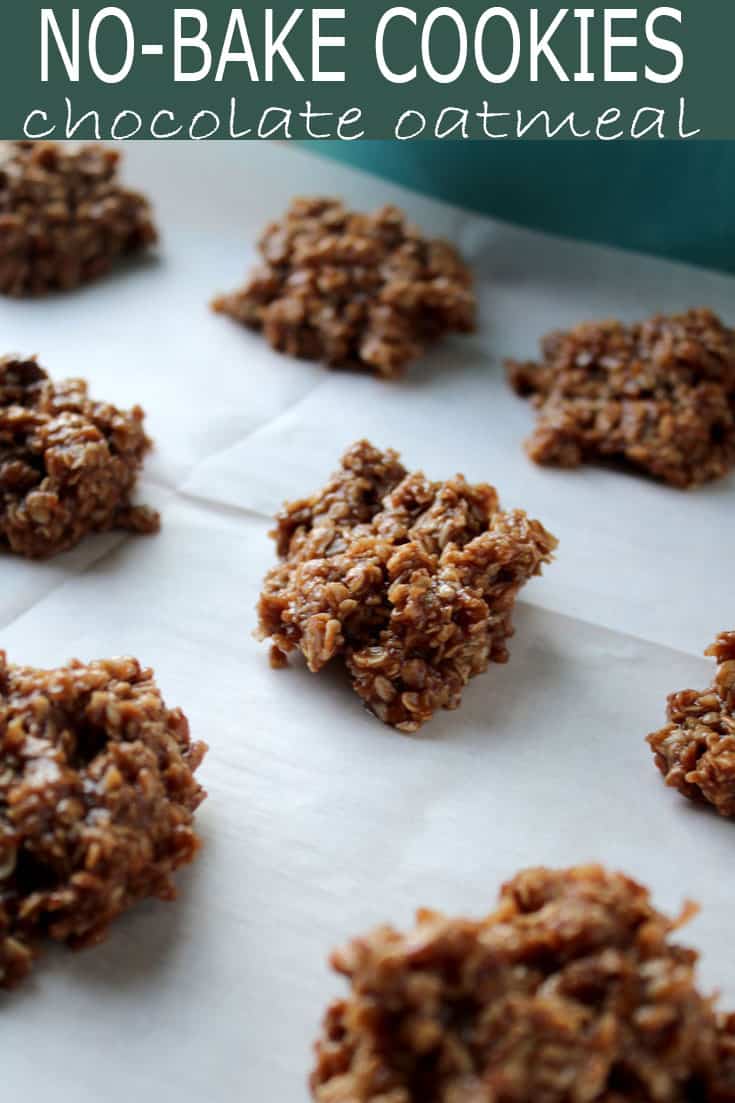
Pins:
x: 320, y: 822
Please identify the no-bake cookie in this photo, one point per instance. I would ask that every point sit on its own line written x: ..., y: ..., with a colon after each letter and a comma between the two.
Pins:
x: 68, y: 464
x: 658, y: 395
x: 64, y: 216
x: 411, y: 583
x: 97, y: 795
x: 695, y: 751
x: 353, y: 289
x: 572, y: 991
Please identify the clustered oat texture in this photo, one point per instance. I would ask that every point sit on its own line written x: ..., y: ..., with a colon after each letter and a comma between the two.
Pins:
x: 353, y: 289
x: 659, y: 395
x: 97, y: 795
x: 64, y: 217
x: 411, y: 582
x: 572, y: 991
x: 68, y: 464
x: 695, y: 751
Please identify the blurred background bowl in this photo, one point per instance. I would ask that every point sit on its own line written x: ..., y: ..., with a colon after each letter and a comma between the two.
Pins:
x: 673, y: 198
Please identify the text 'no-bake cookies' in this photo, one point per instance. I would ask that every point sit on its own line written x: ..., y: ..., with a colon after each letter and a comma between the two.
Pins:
x: 353, y: 290
x: 64, y: 216
x: 572, y: 991
x: 411, y: 583
x: 68, y: 464
x: 658, y: 395
x: 695, y: 751
x: 97, y: 795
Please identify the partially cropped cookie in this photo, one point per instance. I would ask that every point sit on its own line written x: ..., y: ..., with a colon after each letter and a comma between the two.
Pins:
x: 68, y: 464
x: 658, y: 395
x: 97, y: 795
x: 349, y: 289
x: 410, y: 583
x: 572, y: 991
x: 696, y: 750
x: 65, y: 218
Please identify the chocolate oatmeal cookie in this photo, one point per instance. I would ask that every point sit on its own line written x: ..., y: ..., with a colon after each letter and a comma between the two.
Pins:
x: 353, y: 289
x: 412, y: 583
x: 68, y: 464
x: 64, y: 217
x: 659, y: 395
x: 696, y: 750
x: 722, y: 1083
x: 572, y: 991
x: 97, y: 795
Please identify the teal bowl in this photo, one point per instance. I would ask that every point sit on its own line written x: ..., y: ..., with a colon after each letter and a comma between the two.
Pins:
x: 671, y: 198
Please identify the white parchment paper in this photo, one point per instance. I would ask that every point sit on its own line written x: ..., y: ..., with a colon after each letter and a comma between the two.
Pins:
x: 320, y: 822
